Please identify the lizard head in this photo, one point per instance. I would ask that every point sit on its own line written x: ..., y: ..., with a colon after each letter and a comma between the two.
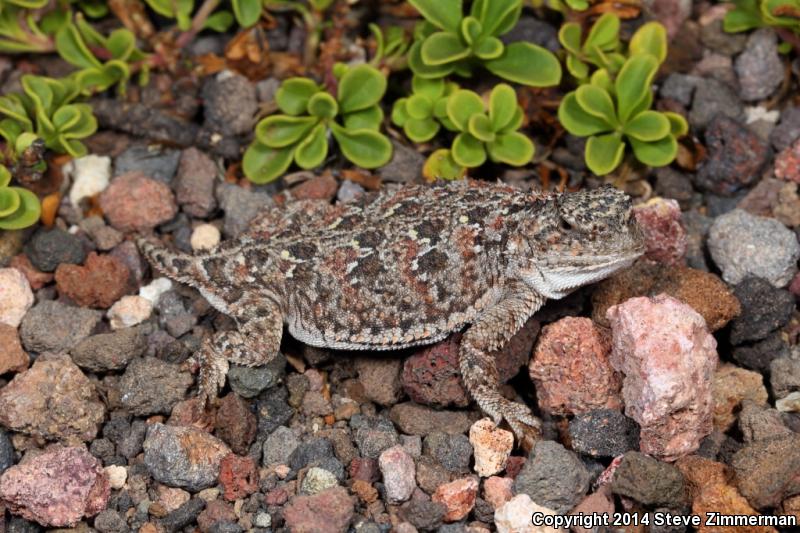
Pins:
x: 588, y: 236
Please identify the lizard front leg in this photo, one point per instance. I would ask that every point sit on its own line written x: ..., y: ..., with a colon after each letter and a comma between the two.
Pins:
x: 490, y: 332
x: 255, y: 342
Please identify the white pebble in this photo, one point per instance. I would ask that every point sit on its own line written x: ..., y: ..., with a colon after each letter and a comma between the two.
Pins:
x: 516, y: 516
x: 204, y: 237
x: 129, y: 311
x: 155, y: 289
x: 16, y: 296
x: 789, y: 404
x: 491, y: 446
x: 90, y: 175
x: 117, y: 476
x: 263, y: 520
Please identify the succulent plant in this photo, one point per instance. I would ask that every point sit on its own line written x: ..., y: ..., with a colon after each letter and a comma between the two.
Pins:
x: 422, y: 114
x: 311, y: 116
x: 750, y: 14
x: 450, y: 42
x: 613, y: 113
x: 488, y: 131
x: 45, y: 110
x: 19, y: 208
x: 75, y: 42
x: 391, y: 47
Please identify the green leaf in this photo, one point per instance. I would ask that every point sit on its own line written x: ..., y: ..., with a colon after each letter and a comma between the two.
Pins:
x: 440, y: 165
x: 481, y: 127
x: 468, y: 151
x: 40, y: 92
x: 604, y: 33
x: 497, y: 16
x: 12, y: 107
x: 647, y: 126
x: 570, y: 37
x: 433, y: 89
x: 323, y: 105
x: 577, y: 121
x: 262, y: 164
x: 470, y: 29
x: 365, y: 148
x: 445, y: 14
x: 10, y: 130
x: 577, y: 68
x: 601, y: 78
x: 527, y: 64
x: 442, y: 48
x: 419, y: 106
x: 421, y: 131
x: 421, y: 69
x: 361, y: 87
x: 72, y: 49
x: 745, y: 17
x: 514, y: 149
x: 219, y: 21
x: 279, y: 131
x: 651, y: 38
x: 597, y: 102
x: 26, y: 215
x: 9, y: 201
x: 247, y: 12
x: 293, y: 95
x: 488, y: 48
x: 312, y: 150
x: 5, y: 176
x: 461, y: 105
x: 400, y: 112
x: 121, y: 43
x: 657, y: 153
x: 24, y: 141
x: 502, y: 106
x: 633, y: 83
x: 677, y: 124
x: 366, y: 119
x: 604, y: 153
x: 65, y: 117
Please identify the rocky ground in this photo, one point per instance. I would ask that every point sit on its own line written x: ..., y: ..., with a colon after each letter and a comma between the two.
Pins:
x: 673, y: 387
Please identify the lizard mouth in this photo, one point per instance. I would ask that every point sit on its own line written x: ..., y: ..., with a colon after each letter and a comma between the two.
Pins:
x: 559, y: 276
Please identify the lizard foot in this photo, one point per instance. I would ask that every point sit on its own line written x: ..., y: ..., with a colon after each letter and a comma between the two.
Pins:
x: 213, y: 369
x: 526, y: 427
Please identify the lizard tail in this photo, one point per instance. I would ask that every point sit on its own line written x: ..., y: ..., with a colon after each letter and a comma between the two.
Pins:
x: 178, y: 266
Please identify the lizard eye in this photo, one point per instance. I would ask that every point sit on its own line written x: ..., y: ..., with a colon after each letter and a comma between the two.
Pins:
x: 565, y: 226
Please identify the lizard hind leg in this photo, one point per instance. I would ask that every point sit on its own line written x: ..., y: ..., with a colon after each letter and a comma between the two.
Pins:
x: 478, y: 370
x: 256, y: 342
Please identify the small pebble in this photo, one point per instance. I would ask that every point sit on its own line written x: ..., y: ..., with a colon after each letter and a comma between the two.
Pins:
x: 52, y: 326
x: 16, y: 296
x: 12, y: 357
x: 117, y: 475
x: 733, y: 385
x: 398, y: 471
x: 766, y: 470
x: 100, y: 282
x: 129, y: 311
x: 90, y: 176
x: 48, y: 248
x: 603, y: 433
x: 152, y: 386
x: 498, y: 490
x: 665, y: 238
x: 194, y: 183
x: 789, y: 403
x: 316, y: 480
x: 109, y: 351
x: 329, y: 511
x: 649, y: 481
x: 743, y: 245
x: 491, y: 445
x: 184, y: 457
x: 136, y: 202
x: 787, y: 163
x: 668, y: 357
x: 764, y: 310
x: 152, y: 160
x: 516, y: 516
x: 458, y: 497
x: 554, y: 476
x: 238, y: 476
x: 205, y: 237
x: 56, y: 488
x: 153, y: 291
x: 759, y: 68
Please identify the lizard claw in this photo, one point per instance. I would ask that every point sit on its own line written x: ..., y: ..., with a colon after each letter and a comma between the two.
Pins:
x: 526, y: 427
x: 213, y: 370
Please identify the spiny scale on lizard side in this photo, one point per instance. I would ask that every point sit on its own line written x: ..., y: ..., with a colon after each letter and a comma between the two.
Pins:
x: 405, y: 268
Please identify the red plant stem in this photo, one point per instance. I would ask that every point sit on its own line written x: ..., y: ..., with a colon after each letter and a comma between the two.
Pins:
x: 197, y: 23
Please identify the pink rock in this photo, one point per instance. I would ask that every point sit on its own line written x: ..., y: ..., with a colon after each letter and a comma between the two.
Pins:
x: 12, y: 356
x: 16, y: 296
x: 35, y: 277
x: 330, y: 511
x: 135, y: 202
x: 794, y: 286
x: 498, y: 490
x: 665, y: 238
x: 458, y: 497
x: 57, y: 488
x: 668, y: 357
x: 171, y: 498
x: 215, y: 511
x: 600, y: 502
x: 787, y: 163
x: 491, y: 446
x: 238, y: 476
x: 432, y: 377
x: 52, y: 400
x: 399, y: 473
x: 571, y: 370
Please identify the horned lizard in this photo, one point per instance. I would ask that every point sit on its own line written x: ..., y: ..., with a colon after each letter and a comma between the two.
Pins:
x: 406, y: 268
